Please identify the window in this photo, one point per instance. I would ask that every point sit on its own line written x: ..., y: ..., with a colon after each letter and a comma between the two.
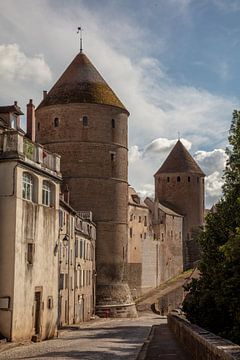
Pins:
x: 139, y: 219
x: 189, y: 179
x: 61, y: 282
x: 145, y: 221
x: 131, y: 217
x: 198, y: 179
x: 60, y: 218
x: 50, y: 302
x: 27, y: 189
x: 113, y: 123
x: 56, y: 122
x: 85, y: 120
x: 178, y: 179
x: 168, y: 179
x: 46, y: 193
x: 113, y: 156
x: 30, y: 251
x: 145, y: 235
x: 38, y: 126
x: 130, y: 232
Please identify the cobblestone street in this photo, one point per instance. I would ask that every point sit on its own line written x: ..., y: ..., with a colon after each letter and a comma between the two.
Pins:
x: 106, y: 339
x: 103, y: 339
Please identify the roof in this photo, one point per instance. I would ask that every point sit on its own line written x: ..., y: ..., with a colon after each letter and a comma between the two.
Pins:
x: 164, y: 207
x: 11, y: 109
x: 180, y: 161
x: 81, y: 83
x: 134, y: 199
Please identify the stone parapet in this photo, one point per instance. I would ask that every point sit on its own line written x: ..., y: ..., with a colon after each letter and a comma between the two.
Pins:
x: 202, y: 344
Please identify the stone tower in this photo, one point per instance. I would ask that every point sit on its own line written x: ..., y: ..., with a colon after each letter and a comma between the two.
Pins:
x: 179, y: 183
x: 83, y: 120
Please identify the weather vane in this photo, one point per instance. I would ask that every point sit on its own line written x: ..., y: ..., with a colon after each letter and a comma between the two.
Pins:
x: 79, y: 31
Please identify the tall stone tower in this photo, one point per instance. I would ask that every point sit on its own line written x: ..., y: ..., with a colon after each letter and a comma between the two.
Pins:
x: 179, y: 183
x: 83, y: 120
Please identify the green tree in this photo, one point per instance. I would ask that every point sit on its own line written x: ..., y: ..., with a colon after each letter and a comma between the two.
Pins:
x: 213, y: 301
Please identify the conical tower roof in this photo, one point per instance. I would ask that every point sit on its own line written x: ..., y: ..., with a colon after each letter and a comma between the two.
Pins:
x: 81, y: 83
x: 180, y: 161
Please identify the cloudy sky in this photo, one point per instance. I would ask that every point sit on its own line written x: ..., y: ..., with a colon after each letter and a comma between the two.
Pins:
x: 173, y: 63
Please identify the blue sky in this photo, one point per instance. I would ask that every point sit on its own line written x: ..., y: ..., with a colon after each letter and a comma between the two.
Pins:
x: 174, y: 64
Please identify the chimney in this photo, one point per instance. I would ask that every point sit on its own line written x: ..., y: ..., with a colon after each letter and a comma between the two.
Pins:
x: 17, y: 117
x: 66, y: 194
x: 31, y: 121
x: 44, y: 94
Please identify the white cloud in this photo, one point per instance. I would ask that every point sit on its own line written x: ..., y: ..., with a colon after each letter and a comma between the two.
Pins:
x: 159, y: 107
x: 161, y: 145
x: 211, y: 161
x: 15, y: 66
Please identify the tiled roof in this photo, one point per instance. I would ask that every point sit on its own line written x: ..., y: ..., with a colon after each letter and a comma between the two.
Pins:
x: 81, y: 83
x: 180, y: 161
x: 11, y: 109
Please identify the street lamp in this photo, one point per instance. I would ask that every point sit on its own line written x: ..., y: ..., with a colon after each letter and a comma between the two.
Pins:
x: 65, y: 240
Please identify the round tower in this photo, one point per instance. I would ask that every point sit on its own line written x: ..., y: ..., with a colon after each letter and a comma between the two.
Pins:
x: 179, y: 183
x: 83, y: 120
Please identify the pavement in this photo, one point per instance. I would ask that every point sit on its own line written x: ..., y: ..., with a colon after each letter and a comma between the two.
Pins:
x: 106, y: 339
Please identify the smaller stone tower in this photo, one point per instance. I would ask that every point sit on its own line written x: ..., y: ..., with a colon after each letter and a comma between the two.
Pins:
x: 179, y: 184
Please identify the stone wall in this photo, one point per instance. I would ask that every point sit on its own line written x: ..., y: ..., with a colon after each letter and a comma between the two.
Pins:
x: 202, y: 344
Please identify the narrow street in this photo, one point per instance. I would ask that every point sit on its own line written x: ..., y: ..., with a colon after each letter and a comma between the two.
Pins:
x: 106, y: 339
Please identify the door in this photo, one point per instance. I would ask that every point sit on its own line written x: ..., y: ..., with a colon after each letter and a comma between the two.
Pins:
x: 37, y: 315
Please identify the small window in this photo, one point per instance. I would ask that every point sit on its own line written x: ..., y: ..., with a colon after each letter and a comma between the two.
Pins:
x: 113, y: 123
x: 56, y: 122
x: 61, y: 282
x: 60, y: 218
x: 178, y: 179
x: 113, y: 156
x: 145, y: 221
x: 50, y: 302
x: 168, y: 179
x: 85, y: 120
x: 139, y: 219
x: 30, y: 252
x: 145, y: 235
x: 189, y: 179
x: 198, y: 180
x: 131, y: 217
x: 46, y: 193
x: 38, y: 126
x: 130, y: 232
x: 27, y: 186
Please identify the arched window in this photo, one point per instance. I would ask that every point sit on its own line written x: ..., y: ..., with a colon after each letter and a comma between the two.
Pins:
x: 56, y: 122
x: 46, y: 193
x: 27, y: 186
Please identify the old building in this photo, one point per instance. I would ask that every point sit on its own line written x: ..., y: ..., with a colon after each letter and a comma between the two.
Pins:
x: 155, y: 248
x: 77, y: 271
x: 83, y: 120
x: 29, y: 204
x: 167, y: 227
x: 66, y: 262
x: 85, y: 267
x: 179, y: 185
x: 143, y: 267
